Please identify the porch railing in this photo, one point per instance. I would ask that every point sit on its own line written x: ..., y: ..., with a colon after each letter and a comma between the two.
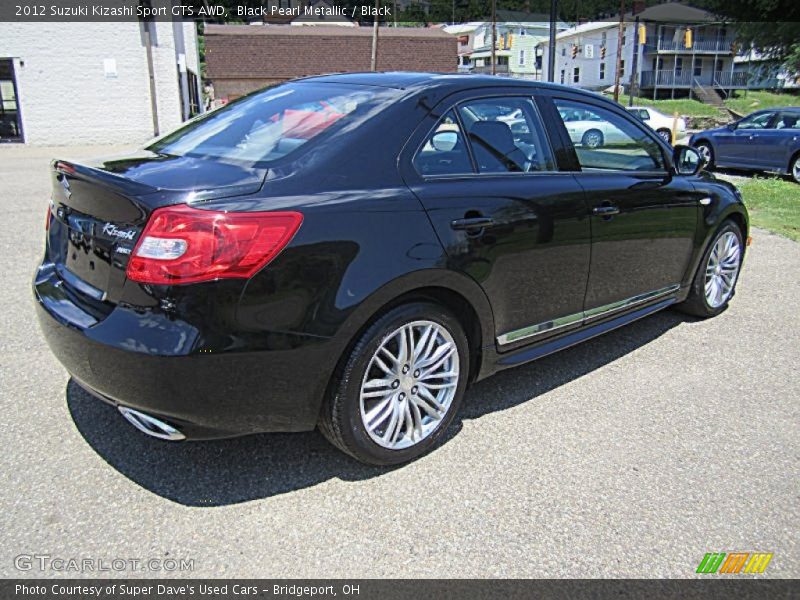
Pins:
x: 699, y: 46
x: 684, y: 78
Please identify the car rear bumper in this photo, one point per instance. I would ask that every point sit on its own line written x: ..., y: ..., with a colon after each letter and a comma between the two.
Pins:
x: 276, y: 385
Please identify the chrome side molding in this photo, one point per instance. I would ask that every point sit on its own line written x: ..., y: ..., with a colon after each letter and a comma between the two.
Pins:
x: 586, y: 315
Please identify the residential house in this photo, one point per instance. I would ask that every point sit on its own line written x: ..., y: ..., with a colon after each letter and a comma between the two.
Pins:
x: 517, y: 49
x: 586, y: 55
x: 684, y: 51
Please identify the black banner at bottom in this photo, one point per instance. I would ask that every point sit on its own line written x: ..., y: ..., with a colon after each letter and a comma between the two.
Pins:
x: 387, y: 589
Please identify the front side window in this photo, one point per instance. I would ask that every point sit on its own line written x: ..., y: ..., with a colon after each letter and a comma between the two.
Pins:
x: 757, y: 121
x: 506, y: 135
x: 606, y: 141
x: 263, y: 127
x: 444, y: 151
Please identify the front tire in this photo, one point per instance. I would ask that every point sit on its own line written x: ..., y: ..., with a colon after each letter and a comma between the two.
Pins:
x: 707, y: 152
x: 714, y: 283
x: 794, y: 169
x: 400, y: 387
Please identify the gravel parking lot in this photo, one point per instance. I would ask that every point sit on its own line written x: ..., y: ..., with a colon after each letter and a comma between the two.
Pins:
x: 629, y: 456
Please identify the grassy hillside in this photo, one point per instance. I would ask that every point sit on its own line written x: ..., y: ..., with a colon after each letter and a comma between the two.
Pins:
x: 742, y: 104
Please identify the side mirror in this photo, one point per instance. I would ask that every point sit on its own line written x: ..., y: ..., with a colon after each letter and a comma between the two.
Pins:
x: 444, y: 141
x: 687, y: 160
x: 732, y: 126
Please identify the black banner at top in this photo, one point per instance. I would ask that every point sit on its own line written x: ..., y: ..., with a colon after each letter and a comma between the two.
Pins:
x: 406, y: 12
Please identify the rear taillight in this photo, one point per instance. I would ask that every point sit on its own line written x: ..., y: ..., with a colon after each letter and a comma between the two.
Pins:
x: 181, y: 244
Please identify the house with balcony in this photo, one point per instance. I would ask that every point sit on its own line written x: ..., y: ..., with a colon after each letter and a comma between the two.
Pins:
x: 684, y: 51
x: 517, y: 46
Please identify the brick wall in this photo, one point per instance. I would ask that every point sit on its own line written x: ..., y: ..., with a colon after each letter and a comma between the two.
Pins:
x: 244, y: 62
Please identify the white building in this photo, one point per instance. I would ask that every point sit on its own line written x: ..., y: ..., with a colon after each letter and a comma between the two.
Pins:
x: 87, y: 83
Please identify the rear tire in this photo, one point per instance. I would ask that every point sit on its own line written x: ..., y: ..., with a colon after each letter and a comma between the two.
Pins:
x: 714, y: 284
x: 388, y: 405
x: 707, y: 152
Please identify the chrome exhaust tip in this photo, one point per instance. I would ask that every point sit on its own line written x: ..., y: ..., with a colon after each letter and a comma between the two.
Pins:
x: 150, y: 425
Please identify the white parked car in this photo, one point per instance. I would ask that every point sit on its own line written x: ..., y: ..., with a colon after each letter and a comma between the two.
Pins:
x: 590, y: 130
x: 661, y: 123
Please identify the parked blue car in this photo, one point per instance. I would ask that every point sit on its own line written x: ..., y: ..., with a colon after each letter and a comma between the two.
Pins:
x: 766, y: 140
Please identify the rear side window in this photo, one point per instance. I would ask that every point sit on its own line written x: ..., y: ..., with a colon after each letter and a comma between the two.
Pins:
x: 268, y: 125
x: 506, y: 135
x: 444, y: 151
x: 606, y: 141
x: 789, y: 121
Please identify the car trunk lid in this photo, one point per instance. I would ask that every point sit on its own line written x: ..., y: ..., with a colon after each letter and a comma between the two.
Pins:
x: 99, y: 210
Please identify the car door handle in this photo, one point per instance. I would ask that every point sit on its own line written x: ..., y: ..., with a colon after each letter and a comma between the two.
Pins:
x: 472, y: 224
x: 605, y: 211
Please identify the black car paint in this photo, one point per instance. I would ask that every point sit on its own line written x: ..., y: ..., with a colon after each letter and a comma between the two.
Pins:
x: 241, y: 356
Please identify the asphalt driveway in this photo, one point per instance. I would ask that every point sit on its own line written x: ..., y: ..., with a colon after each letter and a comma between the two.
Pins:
x: 629, y: 456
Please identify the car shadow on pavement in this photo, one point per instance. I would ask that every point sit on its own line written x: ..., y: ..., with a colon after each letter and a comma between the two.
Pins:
x: 224, y: 472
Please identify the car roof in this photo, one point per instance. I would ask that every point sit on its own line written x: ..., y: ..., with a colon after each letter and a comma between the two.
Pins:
x: 406, y: 80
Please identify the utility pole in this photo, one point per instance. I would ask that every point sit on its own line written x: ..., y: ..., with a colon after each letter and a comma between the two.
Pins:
x: 551, y: 54
x: 619, y: 49
x: 374, y: 61
x: 634, y: 85
x: 494, y: 36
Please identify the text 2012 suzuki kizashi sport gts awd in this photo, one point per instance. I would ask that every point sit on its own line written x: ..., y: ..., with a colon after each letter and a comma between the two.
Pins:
x: 351, y: 251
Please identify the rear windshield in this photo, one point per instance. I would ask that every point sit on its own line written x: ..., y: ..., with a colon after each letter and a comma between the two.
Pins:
x: 268, y: 125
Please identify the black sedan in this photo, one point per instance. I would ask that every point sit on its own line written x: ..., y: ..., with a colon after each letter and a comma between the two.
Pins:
x: 351, y: 251
x: 766, y: 140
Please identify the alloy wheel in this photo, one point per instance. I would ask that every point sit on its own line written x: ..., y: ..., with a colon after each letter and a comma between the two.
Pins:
x: 722, y: 269
x: 705, y: 151
x: 593, y: 139
x: 796, y: 169
x: 409, y: 384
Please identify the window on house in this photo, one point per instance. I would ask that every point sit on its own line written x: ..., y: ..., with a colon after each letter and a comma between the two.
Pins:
x: 622, y: 68
x: 602, y: 70
x: 576, y: 75
x: 562, y: 76
x: 523, y: 32
x: 678, y: 66
x: 194, y: 98
x: 605, y: 35
x: 563, y: 51
x: 521, y: 57
x: 698, y: 67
